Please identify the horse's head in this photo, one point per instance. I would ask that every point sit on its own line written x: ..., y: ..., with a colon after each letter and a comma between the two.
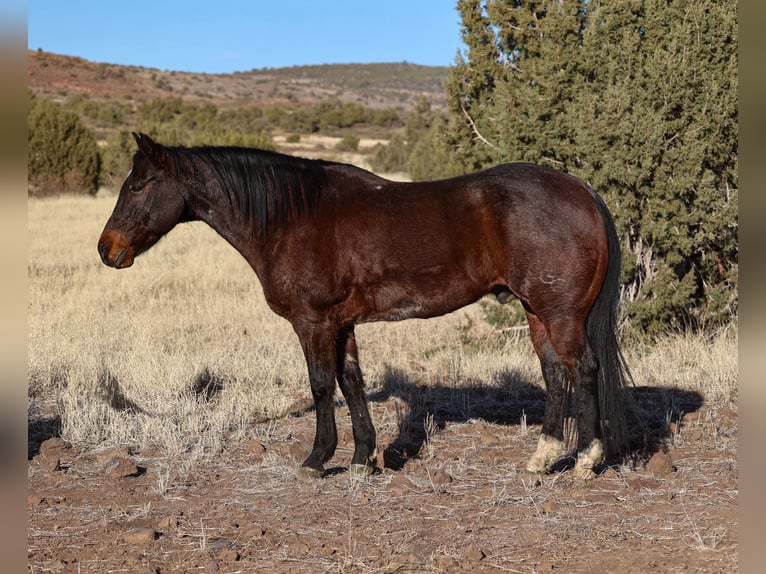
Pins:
x: 150, y: 203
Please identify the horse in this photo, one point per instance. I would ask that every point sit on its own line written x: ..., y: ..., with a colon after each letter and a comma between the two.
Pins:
x: 334, y: 245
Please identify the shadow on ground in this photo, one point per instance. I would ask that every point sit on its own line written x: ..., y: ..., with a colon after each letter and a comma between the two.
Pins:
x: 510, y: 399
x: 513, y: 400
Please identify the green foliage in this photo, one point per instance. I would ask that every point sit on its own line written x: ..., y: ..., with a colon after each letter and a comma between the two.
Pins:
x: 391, y: 157
x: 348, y: 143
x: 424, y: 151
x: 330, y: 116
x: 62, y: 153
x: 637, y: 97
x: 502, y: 316
x: 104, y: 113
x: 431, y: 156
x: 171, y: 121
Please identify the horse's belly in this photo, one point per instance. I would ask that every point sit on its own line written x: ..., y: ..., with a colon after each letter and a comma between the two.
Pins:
x: 420, y: 297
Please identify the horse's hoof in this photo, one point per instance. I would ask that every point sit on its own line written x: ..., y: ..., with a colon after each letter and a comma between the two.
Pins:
x: 360, y: 471
x: 538, y: 466
x: 587, y: 459
x: 583, y: 473
x: 306, y: 473
x: 547, y: 453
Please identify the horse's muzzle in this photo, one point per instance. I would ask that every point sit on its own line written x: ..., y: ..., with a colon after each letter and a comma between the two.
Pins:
x: 114, y: 250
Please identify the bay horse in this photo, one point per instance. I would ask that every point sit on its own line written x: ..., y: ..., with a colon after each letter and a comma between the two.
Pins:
x: 334, y: 245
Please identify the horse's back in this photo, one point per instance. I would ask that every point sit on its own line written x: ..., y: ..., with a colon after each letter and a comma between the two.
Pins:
x: 425, y: 248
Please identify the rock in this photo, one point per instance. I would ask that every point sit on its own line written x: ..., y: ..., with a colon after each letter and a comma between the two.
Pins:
x: 256, y: 450
x: 254, y: 531
x: 439, y: 477
x: 140, y: 536
x: 487, y: 439
x: 544, y: 566
x: 120, y: 467
x: 661, y: 463
x: 695, y: 417
x: 609, y: 473
x: 48, y: 461
x: 550, y: 507
x: 327, y: 550
x: 401, y: 485
x: 446, y: 564
x: 169, y: 523
x: 473, y: 553
x: 54, y: 444
x: 54, y: 565
x: 227, y: 555
x: 34, y: 500
x: 51, y: 452
x: 108, y: 455
x: 361, y: 498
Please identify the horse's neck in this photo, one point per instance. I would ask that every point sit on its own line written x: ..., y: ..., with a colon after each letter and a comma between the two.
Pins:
x: 211, y: 205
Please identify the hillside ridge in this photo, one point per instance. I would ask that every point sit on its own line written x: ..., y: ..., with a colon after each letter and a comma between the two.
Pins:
x: 395, y: 85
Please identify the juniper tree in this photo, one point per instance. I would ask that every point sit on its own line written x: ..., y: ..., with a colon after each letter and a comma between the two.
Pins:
x: 637, y: 97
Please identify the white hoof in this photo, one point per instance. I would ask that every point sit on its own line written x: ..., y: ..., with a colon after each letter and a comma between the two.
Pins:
x: 547, y: 453
x: 587, y: 459
x: 305, y: 474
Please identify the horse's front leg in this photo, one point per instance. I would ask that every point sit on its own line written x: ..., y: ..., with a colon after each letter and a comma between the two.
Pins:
x: 318, y: 341
x: 352, y: 385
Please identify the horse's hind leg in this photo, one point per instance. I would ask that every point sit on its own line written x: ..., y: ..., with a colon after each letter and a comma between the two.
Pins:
x: 352, y: 386
x: 590, y: 450
x: 551, y: 442
x: 571, y: 344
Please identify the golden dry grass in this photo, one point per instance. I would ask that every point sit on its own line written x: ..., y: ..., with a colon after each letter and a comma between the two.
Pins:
x: 179, y: 359
x: 131, y: 357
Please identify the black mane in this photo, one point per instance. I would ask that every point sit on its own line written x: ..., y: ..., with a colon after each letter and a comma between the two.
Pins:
x: 267, y: 188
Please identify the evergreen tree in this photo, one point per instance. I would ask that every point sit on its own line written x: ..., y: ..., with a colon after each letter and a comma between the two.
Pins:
x: 637, y: 97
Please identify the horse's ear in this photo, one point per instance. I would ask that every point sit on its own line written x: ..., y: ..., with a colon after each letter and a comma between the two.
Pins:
x: 147, y: 145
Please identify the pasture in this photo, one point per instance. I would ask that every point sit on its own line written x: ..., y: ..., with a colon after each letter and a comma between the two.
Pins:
x: 184, y: 409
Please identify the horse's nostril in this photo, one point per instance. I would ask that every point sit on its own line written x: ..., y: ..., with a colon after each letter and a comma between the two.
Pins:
x: 102, y: 249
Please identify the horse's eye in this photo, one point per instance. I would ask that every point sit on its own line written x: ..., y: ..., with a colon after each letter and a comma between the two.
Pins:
x: 138, y: 186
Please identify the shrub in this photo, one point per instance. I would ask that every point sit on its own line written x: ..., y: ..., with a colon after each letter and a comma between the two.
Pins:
x: 63, y: 156
x: 348, y: 143
x: 390, y: 157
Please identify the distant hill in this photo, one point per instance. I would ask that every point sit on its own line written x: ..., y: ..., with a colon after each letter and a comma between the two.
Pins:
x: 392, y: 85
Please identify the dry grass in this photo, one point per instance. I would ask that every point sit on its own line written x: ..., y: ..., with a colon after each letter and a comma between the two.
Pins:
x: 180, y: 350
x: 179, y: 359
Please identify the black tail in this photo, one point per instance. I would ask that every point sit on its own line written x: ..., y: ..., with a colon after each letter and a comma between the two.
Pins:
x: 601, y: 327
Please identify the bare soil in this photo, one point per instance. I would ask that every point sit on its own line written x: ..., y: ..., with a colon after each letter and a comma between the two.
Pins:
x: 450, y: 496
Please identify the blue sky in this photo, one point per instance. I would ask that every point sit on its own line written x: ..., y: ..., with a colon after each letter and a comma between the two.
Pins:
x: 223, y: 36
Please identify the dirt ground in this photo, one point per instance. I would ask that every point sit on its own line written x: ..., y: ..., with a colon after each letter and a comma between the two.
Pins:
x: 452, y: 496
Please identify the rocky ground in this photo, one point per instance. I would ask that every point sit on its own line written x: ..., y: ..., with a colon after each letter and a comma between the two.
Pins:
x: 452, y: 496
